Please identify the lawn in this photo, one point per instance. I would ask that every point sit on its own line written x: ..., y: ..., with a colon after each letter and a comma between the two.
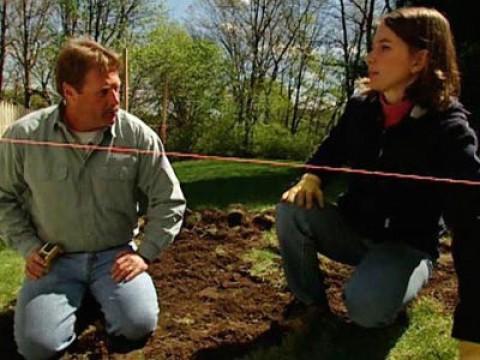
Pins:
x: 11, y: 274
x: 218, y: 184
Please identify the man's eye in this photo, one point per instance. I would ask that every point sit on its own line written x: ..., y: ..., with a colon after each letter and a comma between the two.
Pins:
x: 104, y: 92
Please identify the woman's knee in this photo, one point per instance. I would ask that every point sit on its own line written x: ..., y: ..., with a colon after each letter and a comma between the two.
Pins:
x: 289, y: 219
x: 283, y: 214
x: 367, y: 310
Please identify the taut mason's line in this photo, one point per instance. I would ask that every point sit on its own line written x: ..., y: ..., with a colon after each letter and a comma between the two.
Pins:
x: 344, y: 170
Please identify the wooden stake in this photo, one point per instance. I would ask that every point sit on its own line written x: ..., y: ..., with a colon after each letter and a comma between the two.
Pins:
x: 125, y: 79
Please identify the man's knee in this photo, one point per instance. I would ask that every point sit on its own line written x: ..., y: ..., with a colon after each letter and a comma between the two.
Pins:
x: 35, y: 343
x: 139, y: 324
x: 42, y: 329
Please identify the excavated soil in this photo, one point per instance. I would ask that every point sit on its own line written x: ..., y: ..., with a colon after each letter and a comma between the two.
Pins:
x: 212, y: 307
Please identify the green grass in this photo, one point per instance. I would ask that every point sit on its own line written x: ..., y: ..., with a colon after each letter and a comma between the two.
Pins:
x: 428, y: 336
x: 219, y: 184
x: 265, y: 261
x: 11, y: 275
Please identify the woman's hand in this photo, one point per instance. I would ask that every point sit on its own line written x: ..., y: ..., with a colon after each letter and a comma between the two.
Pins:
x: 305, y: 193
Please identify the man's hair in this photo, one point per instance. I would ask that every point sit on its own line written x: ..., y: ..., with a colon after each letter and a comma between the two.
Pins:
x: 427, y: 29
x: 78, y: 57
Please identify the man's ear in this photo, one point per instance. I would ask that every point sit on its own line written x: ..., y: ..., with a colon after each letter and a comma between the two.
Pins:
x: 69, y: 92
x: 419, y: 61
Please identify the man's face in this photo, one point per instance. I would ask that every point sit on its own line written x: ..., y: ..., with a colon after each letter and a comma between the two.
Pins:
x: 96, y: 105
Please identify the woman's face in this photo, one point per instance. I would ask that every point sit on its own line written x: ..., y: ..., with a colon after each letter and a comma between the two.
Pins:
x: 391, y: 64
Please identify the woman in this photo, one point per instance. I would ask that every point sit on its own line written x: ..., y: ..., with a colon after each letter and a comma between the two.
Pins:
x: 409, y: 121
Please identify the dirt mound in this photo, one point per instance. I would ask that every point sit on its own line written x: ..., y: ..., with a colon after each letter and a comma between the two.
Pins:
x: 212, y: 307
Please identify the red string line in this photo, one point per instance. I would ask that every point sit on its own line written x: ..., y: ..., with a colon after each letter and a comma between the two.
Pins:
x: 345, y: 170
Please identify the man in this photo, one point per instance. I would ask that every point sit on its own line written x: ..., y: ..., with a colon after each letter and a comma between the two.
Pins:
x: 86, y: 200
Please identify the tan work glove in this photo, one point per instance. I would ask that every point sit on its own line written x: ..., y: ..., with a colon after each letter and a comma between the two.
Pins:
x: 469, y: 350
x: 305, y: 192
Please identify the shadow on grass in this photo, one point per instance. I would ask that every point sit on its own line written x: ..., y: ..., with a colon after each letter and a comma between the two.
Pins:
x: 263, y: 190
x: 328, y: 339
x: 254, y: 191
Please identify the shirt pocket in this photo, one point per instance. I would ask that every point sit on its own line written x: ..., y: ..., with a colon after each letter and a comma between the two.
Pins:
x: 115, y: 184
x: 119, y: 168
x: 47, y: 185
x: 117, y: 173
x: 45, y: 174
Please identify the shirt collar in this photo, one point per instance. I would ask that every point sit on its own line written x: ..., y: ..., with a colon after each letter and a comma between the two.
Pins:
x: 417, y: 112
x: 58, y: 121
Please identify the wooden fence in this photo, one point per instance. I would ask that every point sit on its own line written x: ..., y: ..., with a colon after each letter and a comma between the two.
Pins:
x: 9, y: 113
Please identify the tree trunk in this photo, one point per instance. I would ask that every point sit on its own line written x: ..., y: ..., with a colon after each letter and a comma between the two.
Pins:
x: 165, y: 101
x: 26, y: 56
x: 3, y: 45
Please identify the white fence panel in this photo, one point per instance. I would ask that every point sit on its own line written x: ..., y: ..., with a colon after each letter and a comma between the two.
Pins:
x: 9, y: 113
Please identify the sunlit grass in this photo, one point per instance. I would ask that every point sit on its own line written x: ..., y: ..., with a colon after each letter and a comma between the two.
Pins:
x: 11, y: 275
x: 219, y: 184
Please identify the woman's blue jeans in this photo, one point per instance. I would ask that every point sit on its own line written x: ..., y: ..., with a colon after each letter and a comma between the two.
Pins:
x: 387, y: 275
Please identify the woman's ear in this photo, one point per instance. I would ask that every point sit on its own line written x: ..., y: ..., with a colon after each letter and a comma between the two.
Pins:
x: 419, y: 61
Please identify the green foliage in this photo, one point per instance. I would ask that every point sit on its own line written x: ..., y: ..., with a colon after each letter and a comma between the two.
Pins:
x: 274, y: 141
x: 219, y: 136
x: 190, y: 70
x: 203, y: 110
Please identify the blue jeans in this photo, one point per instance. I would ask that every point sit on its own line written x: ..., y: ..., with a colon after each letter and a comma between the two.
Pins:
x: 387, y: 275
x: 45, y: 311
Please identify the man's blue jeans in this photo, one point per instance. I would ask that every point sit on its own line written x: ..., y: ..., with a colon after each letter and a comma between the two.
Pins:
x: 45, y: 311
x: 387, y: 275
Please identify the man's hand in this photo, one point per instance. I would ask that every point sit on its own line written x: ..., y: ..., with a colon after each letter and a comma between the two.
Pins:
x: 127, y: 266
x: 305, y: 192
x: 469, y: 350
x: 35, y: 266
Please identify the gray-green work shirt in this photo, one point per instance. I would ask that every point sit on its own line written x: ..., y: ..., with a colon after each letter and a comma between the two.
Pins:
x: 86, y: 200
